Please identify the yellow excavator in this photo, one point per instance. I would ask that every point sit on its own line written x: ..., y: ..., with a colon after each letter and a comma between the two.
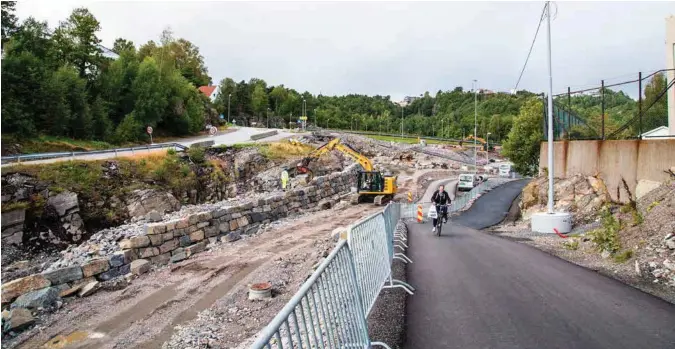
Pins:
x: 372, y: 186
x: 478, y: 139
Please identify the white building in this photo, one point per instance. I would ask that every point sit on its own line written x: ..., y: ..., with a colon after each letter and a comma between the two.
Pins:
x: 210, y: 91
x: 658, y: 133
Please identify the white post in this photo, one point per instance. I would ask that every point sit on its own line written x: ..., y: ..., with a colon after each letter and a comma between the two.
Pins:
x: 550, y: 111
x: 475, y: 126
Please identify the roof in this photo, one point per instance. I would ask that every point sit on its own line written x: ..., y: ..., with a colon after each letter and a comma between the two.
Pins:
x: 659, y: 131
x: 207, y: 90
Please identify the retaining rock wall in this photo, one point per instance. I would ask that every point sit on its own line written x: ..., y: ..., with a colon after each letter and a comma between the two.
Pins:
x: 172, y: 241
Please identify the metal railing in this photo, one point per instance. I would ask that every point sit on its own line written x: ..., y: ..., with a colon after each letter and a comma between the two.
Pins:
x: 55, y: 155
x: 331, y: 307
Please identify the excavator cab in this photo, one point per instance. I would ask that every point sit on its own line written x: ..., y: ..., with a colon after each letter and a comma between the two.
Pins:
x: 371, y: 182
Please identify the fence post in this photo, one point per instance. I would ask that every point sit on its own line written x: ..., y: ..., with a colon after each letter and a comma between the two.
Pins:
x: 602, y: 94
x: 640, y: 104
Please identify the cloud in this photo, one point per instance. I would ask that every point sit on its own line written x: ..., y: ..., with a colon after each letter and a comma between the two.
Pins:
x: 396, y: 48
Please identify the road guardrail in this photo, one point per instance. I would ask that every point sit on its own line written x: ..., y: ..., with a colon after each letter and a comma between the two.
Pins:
x: 55, y: 155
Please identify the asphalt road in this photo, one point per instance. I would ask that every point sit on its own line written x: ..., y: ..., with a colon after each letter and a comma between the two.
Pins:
x: 476, y: 290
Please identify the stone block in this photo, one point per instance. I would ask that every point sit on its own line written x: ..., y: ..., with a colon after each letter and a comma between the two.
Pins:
x: 140, y: 266
x: 156, y: 240
x: 252, y: 229
x: 211, y: 231
x: 201, y: 225
x: 191, y: 229
x: 197, y: 236
x: 242, y: 222
x: 135, y: 242
x: 182, y: 224
x: 89, y: 289
x: 168, y: 246
x: 232, y: 236
x: 184, y: 241
x: 11, y: 218
x: 17, y: 320
x: 224, y: 227
x: 64, y: 275
x: 218, y: 213
x: 16, y: 288
x: 234, y: 224
x: 257, y: 217
x: 196, y: 248
x: 115, y: 272
x: 177, y: 257
x: 171, y: 225
x: 63, y: 202
x: 155, y: 228
x: 148, y: 252
x: 167, y: 236
x: 162, y: 259
x: 95, y: 267
x: 120, y: 258
x: 42, y: 298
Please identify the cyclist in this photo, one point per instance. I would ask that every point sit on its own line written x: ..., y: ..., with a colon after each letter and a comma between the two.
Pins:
x: 440, y: 198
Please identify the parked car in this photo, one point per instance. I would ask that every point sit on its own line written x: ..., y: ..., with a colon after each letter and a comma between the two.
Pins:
x: 467, y: 181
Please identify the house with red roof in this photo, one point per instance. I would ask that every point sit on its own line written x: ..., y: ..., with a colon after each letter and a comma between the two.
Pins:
x: 210, y: 91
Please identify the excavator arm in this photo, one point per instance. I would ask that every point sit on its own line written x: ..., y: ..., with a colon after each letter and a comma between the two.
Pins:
x: 334, y: 144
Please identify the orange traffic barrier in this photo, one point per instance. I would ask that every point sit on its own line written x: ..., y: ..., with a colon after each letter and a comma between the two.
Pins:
x: 420, y: 215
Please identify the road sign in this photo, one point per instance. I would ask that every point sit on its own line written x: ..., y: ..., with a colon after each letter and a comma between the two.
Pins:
x: 222, y: 116
x: 149, y: 130
x: 213, y: 130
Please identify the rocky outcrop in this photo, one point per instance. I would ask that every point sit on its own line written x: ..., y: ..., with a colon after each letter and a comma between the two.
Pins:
x: 12, y: 226
x: 143, y: 201
x: 581, y: 195
x: 64, y: 209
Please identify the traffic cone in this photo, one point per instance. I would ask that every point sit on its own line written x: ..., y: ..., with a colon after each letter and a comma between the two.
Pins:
x: 410, y: 198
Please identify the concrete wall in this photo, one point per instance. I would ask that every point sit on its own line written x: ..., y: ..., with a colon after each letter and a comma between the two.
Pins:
x: 632, y: 160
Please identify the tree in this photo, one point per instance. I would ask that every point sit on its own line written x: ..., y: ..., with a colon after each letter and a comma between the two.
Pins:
x: 78, y: 44
x: 69, y: 115
x: 9, y: 21
x: 657, y: 115
x: 151, y: 100
x: 259, y: 99
x: 120, y: 45
x: 190, y: 62
x: 524, y: 139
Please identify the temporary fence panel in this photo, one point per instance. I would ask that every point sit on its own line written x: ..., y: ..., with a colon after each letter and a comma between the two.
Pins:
x: 368, y: 241
x: 327, y: 311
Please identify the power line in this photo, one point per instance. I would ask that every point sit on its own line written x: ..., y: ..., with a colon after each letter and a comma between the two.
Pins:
x: 541, y: 18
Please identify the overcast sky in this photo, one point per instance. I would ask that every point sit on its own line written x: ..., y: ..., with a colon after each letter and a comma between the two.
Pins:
x: 394, y: 48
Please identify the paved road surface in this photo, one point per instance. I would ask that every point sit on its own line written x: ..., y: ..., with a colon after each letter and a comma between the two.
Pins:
x: 475, y: 290
x: 450, y: 187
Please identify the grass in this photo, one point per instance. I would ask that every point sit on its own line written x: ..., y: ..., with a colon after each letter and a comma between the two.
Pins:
x: 47, y: 144
x: 14, y: 206
x: 276, y: 150
x: 606, y: 238
x: 623, y: 256
x: 572, y: 245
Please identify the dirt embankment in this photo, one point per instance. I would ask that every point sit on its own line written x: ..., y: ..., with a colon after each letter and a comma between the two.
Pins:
x: 634, y: 243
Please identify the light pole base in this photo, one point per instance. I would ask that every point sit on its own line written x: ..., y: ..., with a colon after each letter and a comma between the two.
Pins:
x: 544, y: 222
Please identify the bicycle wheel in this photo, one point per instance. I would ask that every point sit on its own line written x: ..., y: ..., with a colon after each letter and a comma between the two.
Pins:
x: 440, y: 225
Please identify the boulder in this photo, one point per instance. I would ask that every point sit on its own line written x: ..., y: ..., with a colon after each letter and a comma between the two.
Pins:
x: 16, y: 288
x: 64, y: 275
x: 95, y: 267
x: 43, y: 298
x: 120, y: 258
x: 18, y: 319
x: 142, y: 201
x: 114, y: 272
x: 89, y: 289
x: 153, y: 216
x: 232, y: 236
x: 65, y: 202
x: 15, y: 217
x: 140, y: 266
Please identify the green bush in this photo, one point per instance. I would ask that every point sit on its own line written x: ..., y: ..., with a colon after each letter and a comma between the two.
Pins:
x: 197, y: 154
x: 571, y: 245
x: 607, y: 237
x: 623, y: 256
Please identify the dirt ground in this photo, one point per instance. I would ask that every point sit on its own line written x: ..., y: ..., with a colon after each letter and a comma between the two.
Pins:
x: 150, y: 310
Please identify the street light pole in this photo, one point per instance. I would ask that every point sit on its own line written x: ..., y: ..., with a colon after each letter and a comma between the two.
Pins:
x: 487, y: 153
x: 475, y: 125
x: 268, y: 117
x: 228, y: 107
x: 550, y: 112
x: 402, y: 121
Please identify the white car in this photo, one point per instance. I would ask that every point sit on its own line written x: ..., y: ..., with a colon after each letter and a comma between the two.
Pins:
x: 505, y: 170
x: 467, y: 182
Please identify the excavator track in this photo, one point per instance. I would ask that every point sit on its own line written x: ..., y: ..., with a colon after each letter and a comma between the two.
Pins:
x: 382, y: 200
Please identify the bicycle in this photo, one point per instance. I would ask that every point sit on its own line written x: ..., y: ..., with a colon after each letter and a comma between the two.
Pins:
x: 440, y: 217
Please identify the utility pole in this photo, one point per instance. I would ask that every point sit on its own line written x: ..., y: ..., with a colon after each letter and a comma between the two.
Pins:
x: 550, y: 111
x: 402, y: 121
x: 228, y: 107
x: 475, y: 125
x: 487, y: 152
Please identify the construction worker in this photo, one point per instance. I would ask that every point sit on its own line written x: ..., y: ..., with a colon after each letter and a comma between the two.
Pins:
x: 284, y: 179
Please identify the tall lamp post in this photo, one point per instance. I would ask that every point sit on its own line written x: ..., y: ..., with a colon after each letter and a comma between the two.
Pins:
x: 550, y: 221
x: 268, y: 117
x: 487, y: 151
x: 475, y: 125
x: 228, y: 107
x: 402, y: 108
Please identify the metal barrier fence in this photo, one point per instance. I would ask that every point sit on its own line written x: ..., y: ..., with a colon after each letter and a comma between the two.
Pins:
x: 331, y: 307
x: 44, y: 156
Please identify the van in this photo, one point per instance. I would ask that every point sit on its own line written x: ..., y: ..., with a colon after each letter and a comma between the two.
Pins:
x: 505, y: 170
x: 467, y: 182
